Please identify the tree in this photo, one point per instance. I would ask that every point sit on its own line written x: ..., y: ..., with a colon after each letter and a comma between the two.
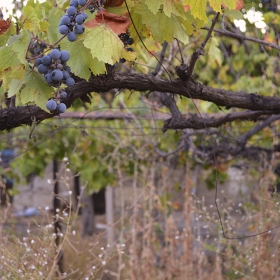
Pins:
x: 234, y: 71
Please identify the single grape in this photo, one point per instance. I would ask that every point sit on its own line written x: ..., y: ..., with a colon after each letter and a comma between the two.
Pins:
x: 65, y: 74
x: 65, y: 20
x: 65, y: 56
x: 63, y: 29
x: 70, y: 82
x: 82, y: 2
x: 74, y: 3
x: 130, y: 41
x: 63, y: 94
x: 57, y: 75
x: 61, y: 107
x: 43, y: 69
x: 38, y: 61
x: 85, y: 15
x: 122, y: 60
x: 79, y: 19
x: 51, y: 105
x: 55, y: 54
x: 79, y: 29
x: 71, y: 36
x: 59, y: 66
x: 48, y: 78
x: 71, y: 11
x: 68, y: 69
x: 130, y: 49
x: 46, y: 60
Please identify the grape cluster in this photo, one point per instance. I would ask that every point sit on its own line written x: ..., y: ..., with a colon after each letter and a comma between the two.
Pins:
x: 72, y: 22
x: 53, y: 66
x: 36, y: 48
x: 127, y: 40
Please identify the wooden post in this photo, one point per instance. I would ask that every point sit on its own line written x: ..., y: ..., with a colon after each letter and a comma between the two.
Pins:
x: 109, y: 204
x: 56, y: 209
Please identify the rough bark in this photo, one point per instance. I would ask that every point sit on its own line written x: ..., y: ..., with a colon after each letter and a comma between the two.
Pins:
x: 14, y: 117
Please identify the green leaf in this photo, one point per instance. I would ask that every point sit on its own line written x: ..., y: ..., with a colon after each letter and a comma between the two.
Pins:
x: 15, y: 86
x: 166, y: 6
x: 53, y: 19
x: 8, y: 58
x: 106, y: 46
x: 215, y: 55
x: 197, y: 8
x: 81, y: 61
x: 5, y: 36
x: 161, y: 26
x: 36, y: 89
x: 234, y: 14
x: 30, y: 19
x: 20, y: 46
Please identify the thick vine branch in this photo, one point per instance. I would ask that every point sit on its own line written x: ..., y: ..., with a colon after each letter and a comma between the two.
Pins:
x: 14, y: 117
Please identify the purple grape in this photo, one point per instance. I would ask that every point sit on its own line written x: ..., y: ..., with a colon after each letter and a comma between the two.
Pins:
x: 70, y: 82
x: 51, y: 105
x: 79, y: 29
x: 65, y: 74
x: 38, y: 61
x: 48, y: 78
x: 63, y: 29
x: 57, y: 75
x: 46, y: 60
x: 65, y: 20
x: 63, y: 94
x: 71, y: 36
x: 61, y: 107
x: 55, y: 54
x: 71, y: 11
x: 65, y: 56
x: 74, y: 3
x: 82, y: 2
x: 80, y: 19
x: 68, y: 69
x: 43, y: 69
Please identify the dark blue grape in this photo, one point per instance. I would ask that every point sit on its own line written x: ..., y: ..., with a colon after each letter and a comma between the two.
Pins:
x: 43, y: 69
x: 68, y: 69
x: 71, y: 36
x: 63, y: 94
x: 74, y: 3
x: 63, y: 29
x: 51, y: 105
x: 82, y: 2
x: 38, y: 61
x: 46, y: 60
x: 71, y: 11
x: 55, y: 54
x: 65, y: 20
x: 61, y: 107
x: 57, y: 75
x: 79, y: 19
x: 122, y: 60
x: 79, y: 29
x: 130, y: 49
x: 65, y: 56
x: 65, y: 74
x: 70, y: 82
x: 129, y: 41
x: 48, y: 78
x: 85, y: 15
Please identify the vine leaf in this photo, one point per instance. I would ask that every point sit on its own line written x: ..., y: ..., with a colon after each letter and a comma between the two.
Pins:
x: 4, y: 25
x: 81, y: 63
x: 113, y: 3
x: 118, y: 24
x: 106, y: 46
x: 197, y: 8
x: 35, y: 89
x: 30, y: 19
x: 214, y: 52
x: 168, y: 7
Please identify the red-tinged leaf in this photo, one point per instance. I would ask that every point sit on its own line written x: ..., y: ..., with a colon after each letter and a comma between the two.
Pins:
x: 239, y: 5
x: 118, y: 24
x: 4, y: 25
x: 113, y: 3
x: 186, y: 7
